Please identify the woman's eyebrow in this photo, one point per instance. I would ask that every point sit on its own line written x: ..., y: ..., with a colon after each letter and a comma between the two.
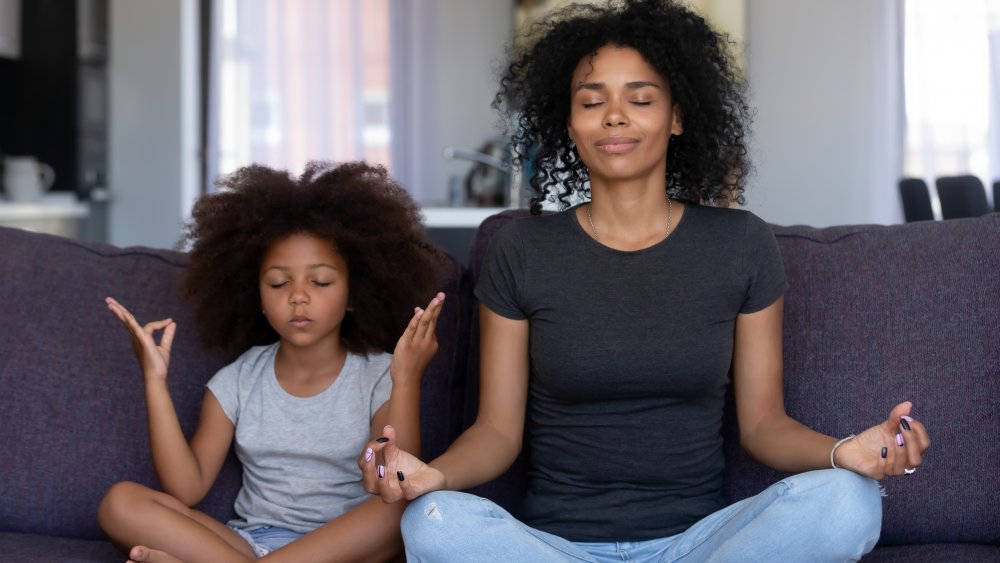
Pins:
x: 634, y: 85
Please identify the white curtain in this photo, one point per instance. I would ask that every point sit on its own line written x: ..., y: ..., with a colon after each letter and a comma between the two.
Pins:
x: 297, y: 80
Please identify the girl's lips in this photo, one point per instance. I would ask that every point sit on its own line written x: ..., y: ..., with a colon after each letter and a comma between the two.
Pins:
x: 300, y: 322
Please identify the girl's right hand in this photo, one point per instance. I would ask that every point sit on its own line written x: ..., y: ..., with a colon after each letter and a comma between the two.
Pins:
x: 154, y: 359
x: 418, y: 478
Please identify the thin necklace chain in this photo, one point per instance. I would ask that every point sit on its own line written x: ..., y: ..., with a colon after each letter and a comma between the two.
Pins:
x: 670, y: 208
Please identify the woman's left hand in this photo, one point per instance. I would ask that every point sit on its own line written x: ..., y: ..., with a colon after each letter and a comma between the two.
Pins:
x: 418, y: 344
x: 894, y: 447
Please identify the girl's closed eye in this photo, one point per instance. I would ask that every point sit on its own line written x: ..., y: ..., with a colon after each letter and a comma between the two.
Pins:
x: 320, y: 283
x: 276, y: 285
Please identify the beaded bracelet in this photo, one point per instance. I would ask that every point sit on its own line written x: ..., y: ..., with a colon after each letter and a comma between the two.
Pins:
x: 835, y: 446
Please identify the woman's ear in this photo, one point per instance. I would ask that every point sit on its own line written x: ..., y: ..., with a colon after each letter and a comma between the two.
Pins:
x: 677, y: 120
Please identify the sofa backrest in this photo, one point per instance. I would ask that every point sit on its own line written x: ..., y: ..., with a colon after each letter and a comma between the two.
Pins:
x: 72, y: 407
x: 876, y: 315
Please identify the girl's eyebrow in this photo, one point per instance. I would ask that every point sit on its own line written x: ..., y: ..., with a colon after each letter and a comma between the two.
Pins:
x: 634, y: 85
x: 309, y: 267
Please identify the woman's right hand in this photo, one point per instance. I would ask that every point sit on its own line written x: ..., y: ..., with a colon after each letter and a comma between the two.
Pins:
x: 154, y: 359
x: 402, y: 475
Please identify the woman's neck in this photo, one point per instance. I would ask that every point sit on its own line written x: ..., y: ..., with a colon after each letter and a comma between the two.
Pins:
x: 629, y: 215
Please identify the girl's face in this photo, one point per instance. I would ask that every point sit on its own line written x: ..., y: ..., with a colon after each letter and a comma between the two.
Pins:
x: 303, y: 290
x: 621, y: 116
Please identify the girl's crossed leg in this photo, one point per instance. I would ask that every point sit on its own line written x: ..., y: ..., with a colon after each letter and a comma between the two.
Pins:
x: 134, y: 515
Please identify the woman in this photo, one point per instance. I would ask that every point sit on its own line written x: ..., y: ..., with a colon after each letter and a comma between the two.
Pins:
x: 609, y: 330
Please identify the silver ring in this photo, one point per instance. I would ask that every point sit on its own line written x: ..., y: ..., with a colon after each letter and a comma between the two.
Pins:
x: 909, y: 470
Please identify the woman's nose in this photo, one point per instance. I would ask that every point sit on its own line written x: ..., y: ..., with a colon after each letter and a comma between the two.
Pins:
x: 614, y: 117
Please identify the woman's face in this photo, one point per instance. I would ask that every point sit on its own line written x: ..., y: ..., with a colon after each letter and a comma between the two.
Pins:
x: 621, y: 116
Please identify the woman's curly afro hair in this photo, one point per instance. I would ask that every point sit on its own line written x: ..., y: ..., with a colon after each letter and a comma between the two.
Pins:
x: 707, y: 164
x: 369, y: 219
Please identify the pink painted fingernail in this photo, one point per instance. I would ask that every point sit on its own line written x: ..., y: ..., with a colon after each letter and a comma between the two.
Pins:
x: 899, y: 439
x: 906, y: 418
x: 368, y: 455
x: 381, y: 471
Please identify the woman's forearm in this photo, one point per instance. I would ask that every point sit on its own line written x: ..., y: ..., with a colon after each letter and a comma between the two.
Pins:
x: 785, y: 444
x: 480, y: 454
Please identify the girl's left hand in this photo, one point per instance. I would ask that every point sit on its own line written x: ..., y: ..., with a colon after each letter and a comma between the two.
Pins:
x: 418, y: 344
x: 894, y: 447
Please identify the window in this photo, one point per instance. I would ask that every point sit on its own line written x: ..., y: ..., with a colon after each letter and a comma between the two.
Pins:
x: 297, y: 80
x: 952, y: 82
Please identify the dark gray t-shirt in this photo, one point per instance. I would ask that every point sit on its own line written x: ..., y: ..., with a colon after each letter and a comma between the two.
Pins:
x: 629, y: 358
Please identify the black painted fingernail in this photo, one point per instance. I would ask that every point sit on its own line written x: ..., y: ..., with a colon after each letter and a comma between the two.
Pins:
x: 399, y: 475
x: 904, y: 424
x: 885, y: 453
x: 382, y: 440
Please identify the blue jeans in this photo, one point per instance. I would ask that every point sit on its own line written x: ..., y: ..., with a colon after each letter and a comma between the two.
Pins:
x: 826, y: 515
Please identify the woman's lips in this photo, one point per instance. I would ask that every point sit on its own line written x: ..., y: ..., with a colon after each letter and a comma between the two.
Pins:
x: 617, y: 145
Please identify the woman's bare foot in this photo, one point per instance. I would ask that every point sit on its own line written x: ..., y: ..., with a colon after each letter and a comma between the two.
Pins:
x: 140, y: 553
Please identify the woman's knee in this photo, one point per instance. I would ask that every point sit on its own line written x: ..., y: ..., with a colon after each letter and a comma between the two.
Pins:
x: 851, y: 507
x: 434, y: 521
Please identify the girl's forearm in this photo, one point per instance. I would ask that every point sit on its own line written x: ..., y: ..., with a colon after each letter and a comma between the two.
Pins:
x: 404, y: 415
x: 174, y: 462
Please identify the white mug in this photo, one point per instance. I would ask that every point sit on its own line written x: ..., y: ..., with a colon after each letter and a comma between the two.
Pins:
x: 25, y: 179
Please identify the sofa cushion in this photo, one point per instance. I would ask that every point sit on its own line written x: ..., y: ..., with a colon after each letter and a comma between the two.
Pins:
x: 877, y: 315
x: 73, y: 408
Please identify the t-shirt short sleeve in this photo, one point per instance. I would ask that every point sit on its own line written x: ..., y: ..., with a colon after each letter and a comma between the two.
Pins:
x: 224, y: 385
x: 502, y: 269
x: 765, y: 271
x: 382, y: 388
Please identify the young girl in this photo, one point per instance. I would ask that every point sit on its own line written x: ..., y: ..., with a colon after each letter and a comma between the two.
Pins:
x: 317, y: 277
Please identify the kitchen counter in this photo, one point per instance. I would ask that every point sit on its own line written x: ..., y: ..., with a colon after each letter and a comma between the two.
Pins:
x: 457, y: 217
x: 57, y: 214
x: 453, y: 228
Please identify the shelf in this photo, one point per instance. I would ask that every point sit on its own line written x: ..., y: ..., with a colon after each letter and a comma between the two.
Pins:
x: 457, y: 217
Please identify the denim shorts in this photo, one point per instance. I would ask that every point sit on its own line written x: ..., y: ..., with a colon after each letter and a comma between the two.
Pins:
x: 265, y: 539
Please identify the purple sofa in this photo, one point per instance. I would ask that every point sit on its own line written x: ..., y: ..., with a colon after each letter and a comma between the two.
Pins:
x: 874, y: 315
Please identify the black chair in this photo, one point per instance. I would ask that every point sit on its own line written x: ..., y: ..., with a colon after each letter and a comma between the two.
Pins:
x: 962, y: 196
x: 996, y: 195
x: 916, y: 200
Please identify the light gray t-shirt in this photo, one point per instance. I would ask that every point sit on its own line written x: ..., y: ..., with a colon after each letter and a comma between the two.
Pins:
x: 299, y: 454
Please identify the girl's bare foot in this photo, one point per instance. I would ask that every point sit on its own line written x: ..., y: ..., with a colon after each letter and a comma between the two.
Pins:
x: 140, y: 553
